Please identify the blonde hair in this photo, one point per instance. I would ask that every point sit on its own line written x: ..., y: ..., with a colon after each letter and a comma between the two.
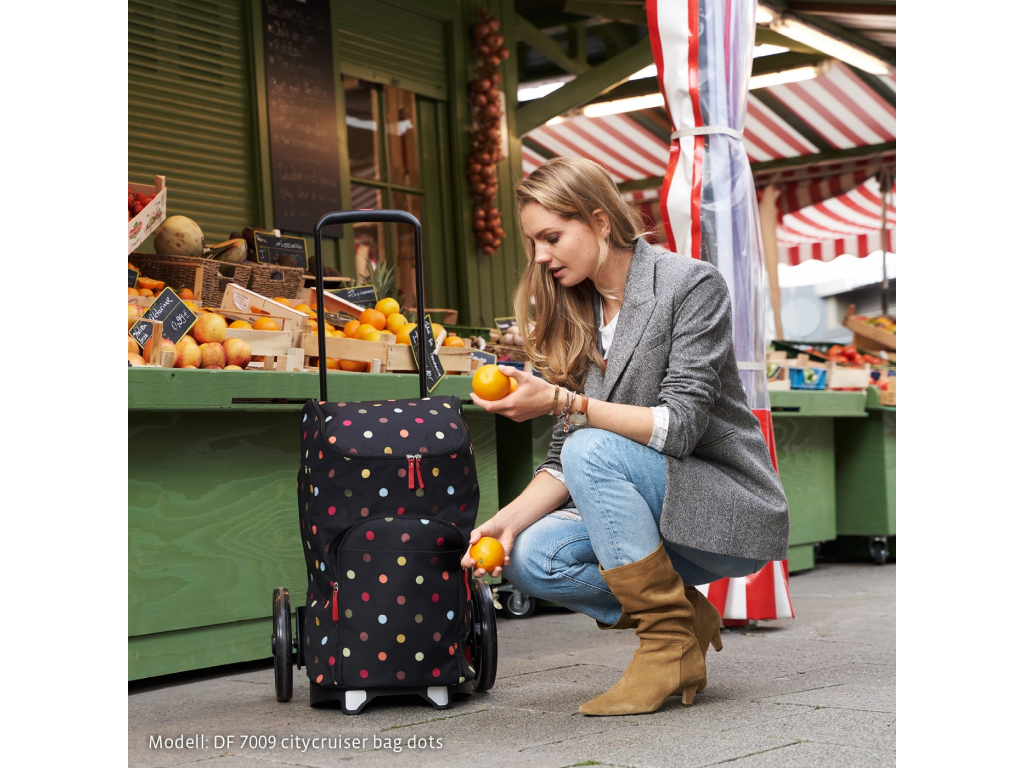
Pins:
x: 558, y: 326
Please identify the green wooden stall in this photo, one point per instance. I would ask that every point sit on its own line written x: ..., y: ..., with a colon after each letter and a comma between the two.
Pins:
x: 866, y: 483
x: 212, y: 517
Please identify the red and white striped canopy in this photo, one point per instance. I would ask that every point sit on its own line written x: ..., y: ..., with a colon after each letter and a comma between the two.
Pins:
x: 838, y: 106
x: 850, y: 223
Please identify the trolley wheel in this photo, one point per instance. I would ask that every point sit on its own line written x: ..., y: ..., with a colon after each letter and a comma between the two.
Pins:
x: 879, y: 548
x: 484, y: 637
x: 281, y: 644
x: 516, y: 605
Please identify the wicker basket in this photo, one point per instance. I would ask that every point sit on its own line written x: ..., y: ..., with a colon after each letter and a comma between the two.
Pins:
x: 178, y: 271
x: 272, y: 280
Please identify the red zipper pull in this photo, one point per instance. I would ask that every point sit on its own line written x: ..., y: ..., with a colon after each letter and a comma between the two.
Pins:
x: 334, y: 607
x: 412, y: 479
x: 419, y: 474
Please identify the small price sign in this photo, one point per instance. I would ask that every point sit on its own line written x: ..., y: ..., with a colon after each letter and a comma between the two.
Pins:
x: 269, y: 248
x: 169, y: 309
x: 504, y: 323
x: 435, y: 370
x: 364, y: 296
x: 486, y: 358
x: 133, y: 277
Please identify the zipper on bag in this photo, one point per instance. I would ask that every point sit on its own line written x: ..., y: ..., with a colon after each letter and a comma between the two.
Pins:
x: 419, y: 474
x: 334, y: 604
x: 410, y: 457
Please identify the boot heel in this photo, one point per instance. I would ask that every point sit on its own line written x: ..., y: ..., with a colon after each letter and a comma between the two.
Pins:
x: 688, y: 693
x: 716, y: 640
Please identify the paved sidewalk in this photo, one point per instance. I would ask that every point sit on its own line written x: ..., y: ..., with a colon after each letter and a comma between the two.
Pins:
x: 818, y: 690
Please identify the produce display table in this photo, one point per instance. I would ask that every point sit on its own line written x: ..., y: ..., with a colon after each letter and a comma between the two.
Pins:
x: 212, y: 520
x: 866, y: 482
x: 805, y: 443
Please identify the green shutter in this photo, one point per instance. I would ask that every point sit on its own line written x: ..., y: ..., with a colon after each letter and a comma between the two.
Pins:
x: 190, y: 109
x: 393, y: 45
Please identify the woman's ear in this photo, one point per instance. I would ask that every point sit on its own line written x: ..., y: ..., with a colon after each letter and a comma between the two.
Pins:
x: 603, y: 222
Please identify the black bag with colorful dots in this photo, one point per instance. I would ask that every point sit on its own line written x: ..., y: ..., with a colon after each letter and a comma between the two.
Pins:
x: 388, y: 495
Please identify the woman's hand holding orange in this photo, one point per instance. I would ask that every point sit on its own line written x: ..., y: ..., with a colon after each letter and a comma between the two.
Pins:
x: 530, y: 397
x: 495, y: 529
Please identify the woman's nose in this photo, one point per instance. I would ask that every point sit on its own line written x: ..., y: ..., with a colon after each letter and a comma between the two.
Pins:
x: 541, y: 256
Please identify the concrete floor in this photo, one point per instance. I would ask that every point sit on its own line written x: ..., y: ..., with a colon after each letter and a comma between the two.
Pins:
x: 818, y: 690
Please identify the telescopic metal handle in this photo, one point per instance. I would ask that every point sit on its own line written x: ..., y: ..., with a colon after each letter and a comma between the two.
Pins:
x: 367, y: 217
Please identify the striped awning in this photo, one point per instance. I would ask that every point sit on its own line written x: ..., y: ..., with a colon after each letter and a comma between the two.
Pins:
x: 840, y: 109
x: 849, y: 222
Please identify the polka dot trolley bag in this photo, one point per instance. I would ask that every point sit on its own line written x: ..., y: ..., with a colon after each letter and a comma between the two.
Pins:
x: 387, y: 496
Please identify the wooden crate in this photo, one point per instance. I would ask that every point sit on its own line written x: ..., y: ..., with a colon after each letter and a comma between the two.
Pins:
x: 867, y: 337
x: 849, y: 376
x: 152, y: 216
x: 386, y: 356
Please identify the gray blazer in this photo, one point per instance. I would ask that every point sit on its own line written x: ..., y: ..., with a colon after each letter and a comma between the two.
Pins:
x: 673, y: 346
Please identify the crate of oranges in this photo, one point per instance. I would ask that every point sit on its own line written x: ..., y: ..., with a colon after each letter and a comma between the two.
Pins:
x: 378, y: 342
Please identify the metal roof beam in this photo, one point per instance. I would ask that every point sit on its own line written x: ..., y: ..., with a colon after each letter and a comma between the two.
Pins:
x: 613, y: 11
x: 831, y: 156
x: 548, y: 48
x: 585, y: 88
x: 850, y: 36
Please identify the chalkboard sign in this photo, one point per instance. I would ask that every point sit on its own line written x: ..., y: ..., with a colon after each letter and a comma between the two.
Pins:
x: 133, y: 277
x: 363, y: 295
x: 435, y: 371
x: 177, y: 318
x: 302, y: 112
x: 504, y: 323
x: 485, y: 358
x: 269, y: 248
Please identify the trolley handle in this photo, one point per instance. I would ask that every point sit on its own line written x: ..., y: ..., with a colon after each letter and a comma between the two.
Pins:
x: 367, y: 217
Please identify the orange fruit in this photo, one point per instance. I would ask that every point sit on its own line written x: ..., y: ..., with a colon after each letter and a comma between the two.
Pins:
x: 145, y: 292
x: 240, y: 324
x: 282, y: 300
x: 305, y: 308
x: 333, y: 363
x: 186, y: 293
x: 364, y: 330
x: 133, y: 292
x: 396, y: 322
x: 353, y: 365
x: 438, y: 330
x: 372, y: 336
x: 513, y: 385
x: 453, y: 341
x: 490, y: 384
x: 488, y: 553
x: 265, y: 324
x: 402, y: 337
x: 351, y: 327
x: 374, y: 318
x: 313, y: 327
x: 387, y: 307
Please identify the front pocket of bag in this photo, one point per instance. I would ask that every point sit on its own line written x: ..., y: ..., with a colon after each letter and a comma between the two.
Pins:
x: 402, y: 602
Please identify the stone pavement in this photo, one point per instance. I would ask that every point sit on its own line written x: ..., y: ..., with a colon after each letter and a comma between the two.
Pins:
x: 818, y: 690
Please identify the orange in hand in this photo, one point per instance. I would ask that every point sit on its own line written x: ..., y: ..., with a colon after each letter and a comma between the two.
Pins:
x: 488, y: 553
x: 491, y: 384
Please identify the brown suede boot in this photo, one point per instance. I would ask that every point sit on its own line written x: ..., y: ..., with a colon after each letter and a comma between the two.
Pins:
x: 669, y: 660
x: 707, y: 622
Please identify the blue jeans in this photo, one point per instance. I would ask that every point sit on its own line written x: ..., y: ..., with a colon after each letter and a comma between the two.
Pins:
x: 618, y: 486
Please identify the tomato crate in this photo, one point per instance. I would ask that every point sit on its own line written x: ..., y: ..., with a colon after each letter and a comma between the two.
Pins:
x: 870, y: 333
x: 149, y: 218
